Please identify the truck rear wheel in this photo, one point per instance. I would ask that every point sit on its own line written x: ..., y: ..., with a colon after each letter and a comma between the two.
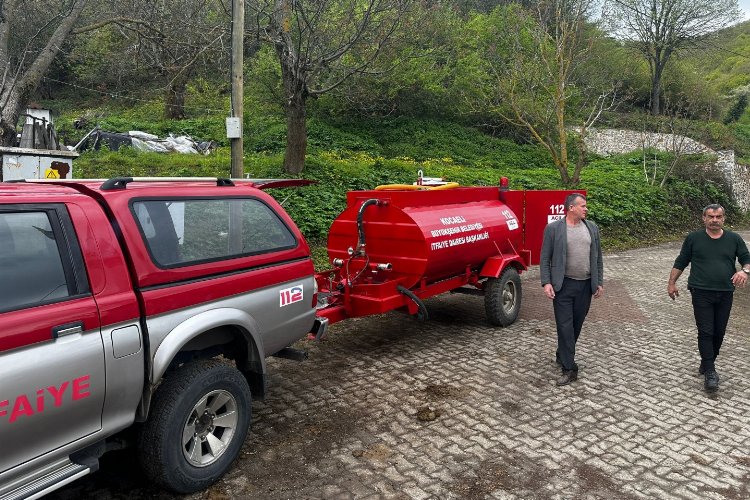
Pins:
x: 502, y: 297
x: 197, y: 424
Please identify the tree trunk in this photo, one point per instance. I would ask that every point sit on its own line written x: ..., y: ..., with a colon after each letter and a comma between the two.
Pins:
x: 656, y: 87
x: 17, y: 91
x: 562, y: 133
x: 295, y: 89
x: 7, y: 134
x: 14, y: 101
x: 564, y: 175
x: 174, y: 105
x: 582, y: 154
x: 296, y: 137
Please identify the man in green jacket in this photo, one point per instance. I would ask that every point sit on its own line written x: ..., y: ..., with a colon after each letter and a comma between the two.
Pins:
x: 711, y: 254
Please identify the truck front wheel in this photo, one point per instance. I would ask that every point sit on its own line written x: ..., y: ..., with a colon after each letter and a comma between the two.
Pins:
x: 197, y: 424
x: 502, y: 297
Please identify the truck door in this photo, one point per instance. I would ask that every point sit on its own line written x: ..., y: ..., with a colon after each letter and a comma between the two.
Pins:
x: 51, y: 352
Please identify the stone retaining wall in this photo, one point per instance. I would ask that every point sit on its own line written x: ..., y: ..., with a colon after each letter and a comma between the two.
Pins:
x: 606, y: 142
x: 737, y: 176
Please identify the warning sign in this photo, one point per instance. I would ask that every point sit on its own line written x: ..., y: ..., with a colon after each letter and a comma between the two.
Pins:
x: 51, y: 173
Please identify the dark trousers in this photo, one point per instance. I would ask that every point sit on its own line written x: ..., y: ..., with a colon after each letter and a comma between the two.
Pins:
x: 571, y: 305
x: 711, y: 311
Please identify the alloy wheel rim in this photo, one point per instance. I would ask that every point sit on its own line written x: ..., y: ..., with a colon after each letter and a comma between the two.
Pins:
x: 209, y: 428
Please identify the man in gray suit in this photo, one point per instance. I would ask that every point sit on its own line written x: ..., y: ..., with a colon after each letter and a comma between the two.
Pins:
x: 571, y: 272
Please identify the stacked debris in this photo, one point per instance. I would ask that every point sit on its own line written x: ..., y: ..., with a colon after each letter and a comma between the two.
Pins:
x: 38, y: 131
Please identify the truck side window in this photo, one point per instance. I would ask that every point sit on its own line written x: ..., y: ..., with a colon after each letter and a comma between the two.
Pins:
x: 180, y: 232
x: 31, y: 269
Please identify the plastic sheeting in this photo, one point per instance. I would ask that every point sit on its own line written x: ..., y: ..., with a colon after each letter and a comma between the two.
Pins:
x: 143, y: 141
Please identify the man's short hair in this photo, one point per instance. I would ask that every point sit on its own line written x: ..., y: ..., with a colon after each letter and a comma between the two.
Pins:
x: 714, y: 206
x: 571, y: 198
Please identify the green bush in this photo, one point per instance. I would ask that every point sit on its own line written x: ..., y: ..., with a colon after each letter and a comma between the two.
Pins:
x: 737, y: 110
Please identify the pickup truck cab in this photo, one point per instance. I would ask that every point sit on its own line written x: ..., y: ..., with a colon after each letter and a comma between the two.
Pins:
x: 147, y: 305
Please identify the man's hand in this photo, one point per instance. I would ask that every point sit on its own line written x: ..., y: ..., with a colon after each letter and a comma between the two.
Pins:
x: 599, y: 292
x: 549, y: 291
x: 672, y: 290
x: 672, y: 283
x: 739, y: 279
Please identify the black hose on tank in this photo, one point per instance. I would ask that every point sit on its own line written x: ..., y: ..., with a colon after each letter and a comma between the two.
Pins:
x: 360, y: 229
x: 422, y: 314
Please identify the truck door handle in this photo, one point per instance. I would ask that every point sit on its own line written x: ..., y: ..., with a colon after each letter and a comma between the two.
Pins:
x: 67, y: 329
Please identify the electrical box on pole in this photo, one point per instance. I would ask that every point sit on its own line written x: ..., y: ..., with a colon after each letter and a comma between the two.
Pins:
x: 234, y: 128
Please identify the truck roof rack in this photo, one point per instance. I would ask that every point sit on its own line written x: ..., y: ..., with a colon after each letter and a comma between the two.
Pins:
x: 122, y: 182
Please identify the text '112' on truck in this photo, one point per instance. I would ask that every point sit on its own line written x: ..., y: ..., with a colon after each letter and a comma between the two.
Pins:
x: 140, y: 312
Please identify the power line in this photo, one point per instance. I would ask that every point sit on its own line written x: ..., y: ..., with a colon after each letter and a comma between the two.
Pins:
x: 116, y: 95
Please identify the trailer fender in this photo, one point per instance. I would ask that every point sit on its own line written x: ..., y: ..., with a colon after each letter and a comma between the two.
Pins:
x: 494, y: 266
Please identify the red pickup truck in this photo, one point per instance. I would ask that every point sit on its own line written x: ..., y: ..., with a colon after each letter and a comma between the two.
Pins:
x: 143, y: 304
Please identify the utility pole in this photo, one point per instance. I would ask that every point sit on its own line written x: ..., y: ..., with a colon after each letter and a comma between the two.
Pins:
x: 234, y: 123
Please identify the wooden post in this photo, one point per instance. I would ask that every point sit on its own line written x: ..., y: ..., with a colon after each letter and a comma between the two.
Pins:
x: 238, y: 81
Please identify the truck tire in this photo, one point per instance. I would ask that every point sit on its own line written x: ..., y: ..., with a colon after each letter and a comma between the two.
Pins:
x: 502, y: 297
x: 197, y: 424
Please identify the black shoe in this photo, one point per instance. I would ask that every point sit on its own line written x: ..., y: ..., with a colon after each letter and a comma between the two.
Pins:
x: 712, y: 381
x: 567, y: 377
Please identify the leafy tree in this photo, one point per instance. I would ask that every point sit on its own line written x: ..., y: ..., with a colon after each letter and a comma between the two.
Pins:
x: 320, y: 44
x: 659, y: 29
x: 423, y: 76
x: 530, y: 64
x: 31, y: 34
x: 172, y: 40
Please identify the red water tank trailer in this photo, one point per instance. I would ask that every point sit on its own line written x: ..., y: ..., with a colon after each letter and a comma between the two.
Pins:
x: 424, y: 236
x: 391, y: 248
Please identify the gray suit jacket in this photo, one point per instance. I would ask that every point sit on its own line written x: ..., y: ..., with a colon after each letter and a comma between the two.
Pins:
x: 554, y: 250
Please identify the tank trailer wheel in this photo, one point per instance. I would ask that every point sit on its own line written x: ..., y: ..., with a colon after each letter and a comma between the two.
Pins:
x: 502, y: 298
x: 198, y: 422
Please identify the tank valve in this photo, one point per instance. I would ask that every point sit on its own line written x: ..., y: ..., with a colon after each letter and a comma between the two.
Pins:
x: 383, y: 267
x: 337, y: 262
